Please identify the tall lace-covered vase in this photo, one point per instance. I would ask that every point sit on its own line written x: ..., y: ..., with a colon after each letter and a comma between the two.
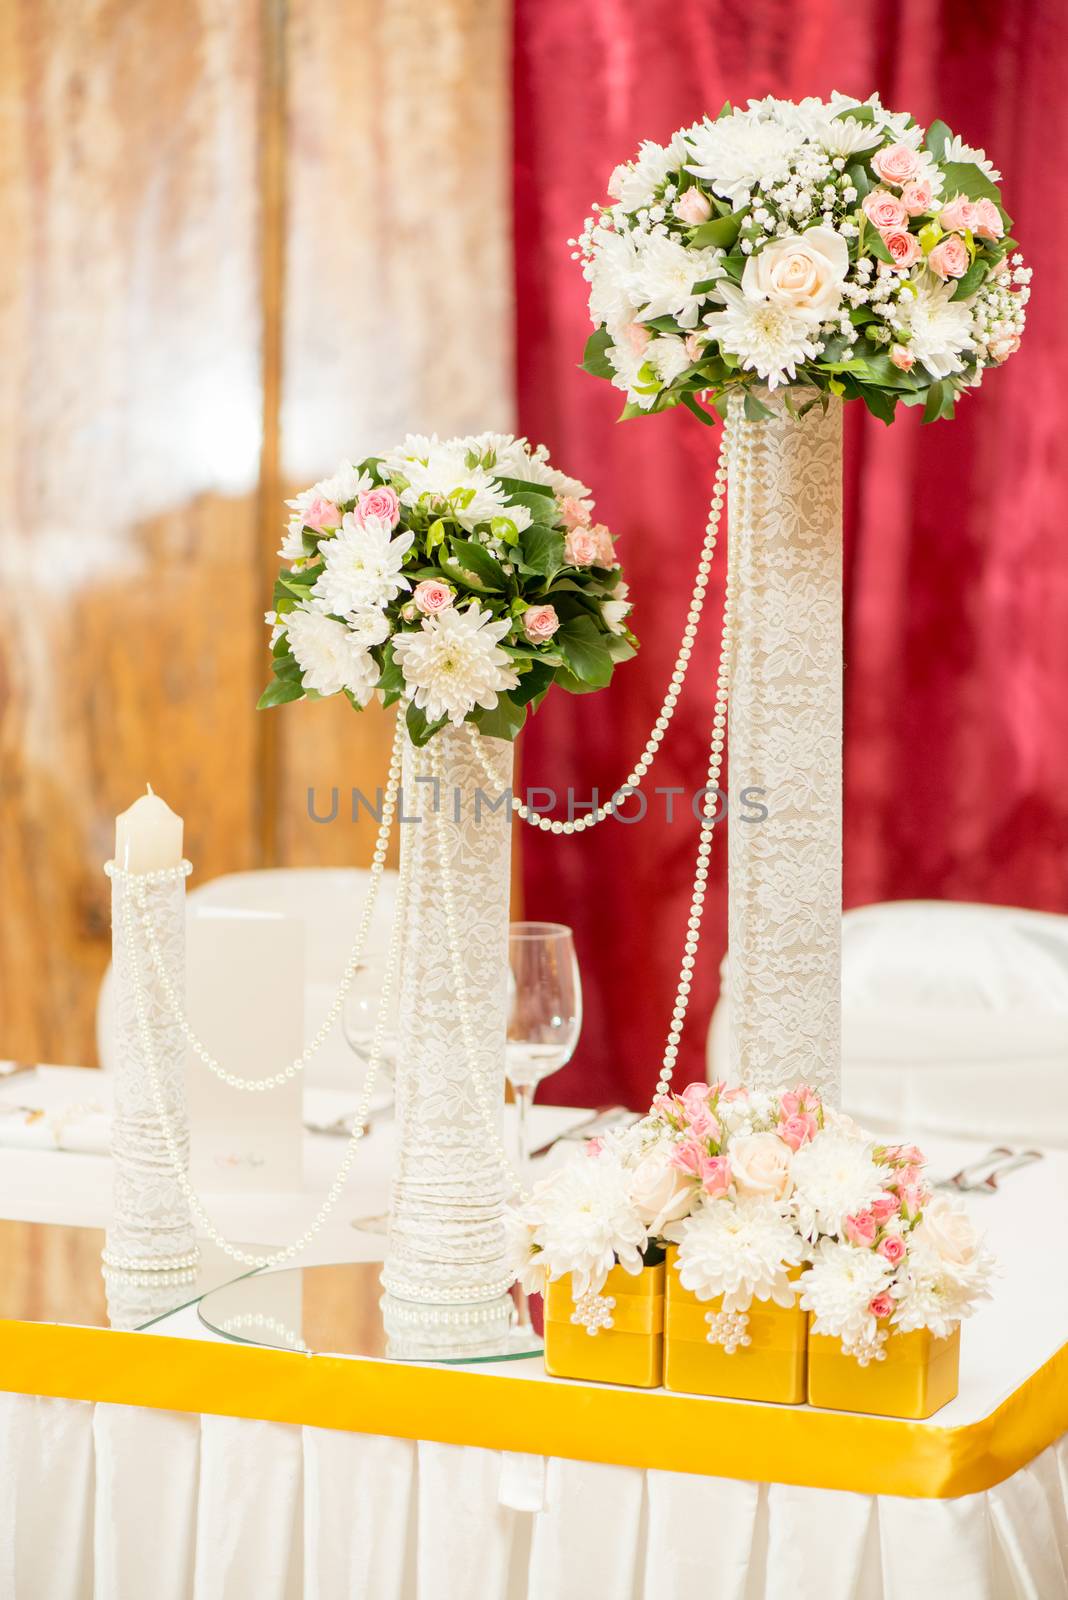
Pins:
x: 445, y: 1274
x: 785, y: 738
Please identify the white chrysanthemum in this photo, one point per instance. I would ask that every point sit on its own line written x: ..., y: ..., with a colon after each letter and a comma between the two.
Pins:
x: 940, y: 327
x: 834, y: 1176
x: 665, y: 276
x: 522, y: 1253
x: 770, y: 340
x: 610, y: 273
x: 585, y: 1221
x: 740, y: 1249
x: 362, y: 565
x: 454, y: 663
x: 329, y: 657
x: 739, y: 151
x: 838, y: 1288
x: 956, y: 150
x: 837, y: 135
x: 368, y: 625
x: 668, y: 357
x: 343, y: 485
x: 534, y: 466
x: 640, y: 386
x: 472, y: 493
x: 635, y: 183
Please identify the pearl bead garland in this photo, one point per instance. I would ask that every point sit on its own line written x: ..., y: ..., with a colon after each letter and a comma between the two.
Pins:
x: 642, y: 766
x: 139, y: 881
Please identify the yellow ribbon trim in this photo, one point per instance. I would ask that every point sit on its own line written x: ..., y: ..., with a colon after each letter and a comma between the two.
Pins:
x: 687, y: 1324
x: 585, y: 1422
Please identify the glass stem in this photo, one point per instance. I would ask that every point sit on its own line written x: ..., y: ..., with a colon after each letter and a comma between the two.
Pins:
x: 524, y: 1099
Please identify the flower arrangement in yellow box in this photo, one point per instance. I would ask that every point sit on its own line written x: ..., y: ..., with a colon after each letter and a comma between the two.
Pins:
x: 612, y: 1336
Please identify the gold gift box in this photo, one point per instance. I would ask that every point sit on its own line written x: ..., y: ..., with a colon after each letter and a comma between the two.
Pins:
x: 771, y: 1367
x: 919, y: 1376
x: 631, y: 1351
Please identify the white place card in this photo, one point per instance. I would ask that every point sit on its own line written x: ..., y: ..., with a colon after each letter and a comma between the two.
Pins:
x: 245, y: 1000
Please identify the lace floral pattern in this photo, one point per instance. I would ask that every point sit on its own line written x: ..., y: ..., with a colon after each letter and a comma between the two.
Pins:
x: 446, y: 1239
x: 785, y: 737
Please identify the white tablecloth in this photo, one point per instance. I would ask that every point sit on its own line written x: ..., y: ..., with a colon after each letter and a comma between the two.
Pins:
x: 120, y: 1503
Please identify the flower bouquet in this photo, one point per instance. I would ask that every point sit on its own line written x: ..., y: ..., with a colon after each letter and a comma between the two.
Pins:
x: 463, y: 576
x: 833, y: 244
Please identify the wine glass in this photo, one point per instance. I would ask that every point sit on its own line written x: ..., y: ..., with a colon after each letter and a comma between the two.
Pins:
x: 359, y: 1018
x: 545, y: 1012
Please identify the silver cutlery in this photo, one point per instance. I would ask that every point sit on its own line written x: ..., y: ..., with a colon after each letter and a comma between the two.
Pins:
x: 981, y: 1176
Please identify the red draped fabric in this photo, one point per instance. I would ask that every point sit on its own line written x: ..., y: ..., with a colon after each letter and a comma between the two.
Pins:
x: 956, y: 551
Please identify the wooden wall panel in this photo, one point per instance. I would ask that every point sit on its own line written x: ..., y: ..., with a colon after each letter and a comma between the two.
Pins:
x: 130, y: 411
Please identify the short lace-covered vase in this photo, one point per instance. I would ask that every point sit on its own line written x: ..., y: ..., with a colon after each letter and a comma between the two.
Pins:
x: 785, y: 740
x: 445, y: 1273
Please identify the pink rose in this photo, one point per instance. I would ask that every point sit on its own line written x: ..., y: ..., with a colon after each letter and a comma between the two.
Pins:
x: 321, y: 514
x: 905, y: 1155
x: 881, y: 1306
x: 904, y: 248
x: 540, y: 623
x: 690, y: 1156
x: 431, y: 597
x: 637, y: 336
x: 582, y: 547
x: 911, y: 1201
x: 594, y: 1146
x: 379, y: 503
x: 988, y: 223
x: 606, y: 549
x: 892, y: 1248
x: 885, y: 1207
x: 861, y: 1228
x: 897, y: 164
x: 916, y: 197
x: 797, y: 1130
x: 801, y: 1099
x: 693, y: 207
x: 902, y: 357
x: 960, y: 214
x: 694, y: 346
x: 665, y: 1106
x: 573, y: 514
x: 699, y: 1119
x: 950, y: 258
x: 716, y: 1178
x: 884, y: 210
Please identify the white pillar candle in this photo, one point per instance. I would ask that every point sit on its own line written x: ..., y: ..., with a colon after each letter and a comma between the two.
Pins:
x: 148, y: 836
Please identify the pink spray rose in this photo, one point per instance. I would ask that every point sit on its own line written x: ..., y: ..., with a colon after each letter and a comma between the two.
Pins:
x: 892, y: 1248
x: 904, y: 248
x: 540, y: 623
x: 693, y: 207
x: 950, y: 258
x: 916, y: 197
x: 798, y: 1121
x: 431, y: 597
x: 861, y: 1228
x: 594, y: 1146
x: 988, y: 223
x: 902, y: 357
x: 1002, y: 349
x: 960, y: 214
x: 695, y: 344
x: 379, y: 503
x: 699, y: 1118
x: 884, y: 210
x: 321, y: 514
x: 582, y: 547
x: 606, y: 549
x: 716, y: 1179
x: 897, y: 164
x: 573, y: 514
x: 885, y: 1207
x: 637, y: 336
x: 881, y: 1306
x: 796, y: 1131
x: 713, y: 1173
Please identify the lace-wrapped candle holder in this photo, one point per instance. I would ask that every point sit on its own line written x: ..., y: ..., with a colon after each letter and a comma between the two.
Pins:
x: 759, y: 1354
x: 615, y: 1336
x: 150, y: 1252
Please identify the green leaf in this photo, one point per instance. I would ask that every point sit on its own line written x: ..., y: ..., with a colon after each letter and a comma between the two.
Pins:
x: 964, y: 177
x: 435, y: 535
x: 935, y: 142
x: 279, y: 693
x: 475, y: 558
x: 858, y: 177
x: 541, y: 550
x: 571, y: 685
x: 285, y: 666
x: 932, y: 407
x: 874, y: 246
x: 734, y: 265
x: 419, y: 729
x: 720, y: 231
x: 856, y: 114
x: 582, y: 646
x: 594, y: 358
x: 504, y: 721
x: 541, y: 508
x: 534, y: 681
x: 975, y: 276
x: 620, y: 647
x: 514, y: 486
x: 878, y: 401
x: 691, y: 403
x: 755, y: 410
x: 391, y: 681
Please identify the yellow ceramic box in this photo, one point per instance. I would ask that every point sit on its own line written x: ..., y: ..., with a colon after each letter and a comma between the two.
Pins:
x: 772, y: 1367
x: 630, y: 1351
x: 919, y: 1376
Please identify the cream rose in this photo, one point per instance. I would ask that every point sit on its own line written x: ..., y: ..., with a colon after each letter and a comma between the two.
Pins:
x: 760, y: 1163
x: 949, y: 1231
x: 660, y: 1192
x: 804, y: 271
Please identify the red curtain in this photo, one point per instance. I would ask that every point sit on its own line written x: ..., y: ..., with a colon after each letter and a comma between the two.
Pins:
x: 956, y: 556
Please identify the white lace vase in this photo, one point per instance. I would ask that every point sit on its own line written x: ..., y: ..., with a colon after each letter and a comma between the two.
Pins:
x: 785, y: 738
x: 445, y: 1274
x: 150, y: 1249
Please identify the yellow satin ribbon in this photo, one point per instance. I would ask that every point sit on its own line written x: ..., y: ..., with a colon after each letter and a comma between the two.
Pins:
x: 784, y: 1333
x: 584, y: 1422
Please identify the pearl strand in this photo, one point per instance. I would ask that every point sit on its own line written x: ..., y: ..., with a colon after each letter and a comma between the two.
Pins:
x: 678, y: 676
x: 173, y: 1000
x: 710, y: 807
x: 181, y: 1177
